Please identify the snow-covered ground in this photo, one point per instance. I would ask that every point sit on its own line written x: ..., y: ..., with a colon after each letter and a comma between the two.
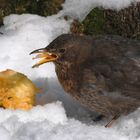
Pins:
x: 54, y: 120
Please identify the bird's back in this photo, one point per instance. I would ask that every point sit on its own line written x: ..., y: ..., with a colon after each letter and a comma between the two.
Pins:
x: 118, y: 61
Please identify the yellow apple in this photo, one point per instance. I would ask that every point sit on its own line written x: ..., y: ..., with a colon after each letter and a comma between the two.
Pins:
x: 16, y: 90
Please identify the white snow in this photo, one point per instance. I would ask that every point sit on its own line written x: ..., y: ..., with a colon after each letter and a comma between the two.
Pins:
x: 53, y: 112
x: 54, y: 120
x: 24, y: 33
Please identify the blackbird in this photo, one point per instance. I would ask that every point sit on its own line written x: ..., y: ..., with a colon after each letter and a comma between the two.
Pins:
x: 101, y: 72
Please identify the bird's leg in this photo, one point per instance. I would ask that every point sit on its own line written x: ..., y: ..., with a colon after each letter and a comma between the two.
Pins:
x: 112, y: 121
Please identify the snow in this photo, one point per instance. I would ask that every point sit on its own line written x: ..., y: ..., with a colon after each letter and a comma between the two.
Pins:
x: 25, y: 33
x: 38, y: 125
x: 56, y: 115
x: 53, y: 112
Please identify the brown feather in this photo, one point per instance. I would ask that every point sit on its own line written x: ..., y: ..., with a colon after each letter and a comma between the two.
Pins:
x: 105, y: 75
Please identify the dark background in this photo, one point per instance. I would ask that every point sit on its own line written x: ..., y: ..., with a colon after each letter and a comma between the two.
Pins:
x: 125, y: 22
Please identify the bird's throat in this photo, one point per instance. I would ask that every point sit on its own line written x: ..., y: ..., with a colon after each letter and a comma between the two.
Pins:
x: 66, y: 77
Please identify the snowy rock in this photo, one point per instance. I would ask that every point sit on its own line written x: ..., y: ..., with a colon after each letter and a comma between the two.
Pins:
x: 79, y: 9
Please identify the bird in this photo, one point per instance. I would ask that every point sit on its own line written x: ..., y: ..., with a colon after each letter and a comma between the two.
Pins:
x: 101, y: 72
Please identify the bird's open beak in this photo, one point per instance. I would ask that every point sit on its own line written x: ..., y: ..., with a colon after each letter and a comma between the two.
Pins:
x: 43, y: 53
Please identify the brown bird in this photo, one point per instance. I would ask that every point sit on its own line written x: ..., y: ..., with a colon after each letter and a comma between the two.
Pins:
x: 101, y: 72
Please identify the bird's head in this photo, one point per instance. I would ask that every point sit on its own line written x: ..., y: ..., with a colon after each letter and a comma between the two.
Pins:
x: 63, y: 48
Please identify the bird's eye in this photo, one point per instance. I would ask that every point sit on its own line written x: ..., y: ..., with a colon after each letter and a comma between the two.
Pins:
x: 61, y: 50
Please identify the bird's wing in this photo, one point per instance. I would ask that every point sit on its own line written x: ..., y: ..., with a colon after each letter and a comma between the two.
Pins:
x: 104, y: 94
x: 115, y: 64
